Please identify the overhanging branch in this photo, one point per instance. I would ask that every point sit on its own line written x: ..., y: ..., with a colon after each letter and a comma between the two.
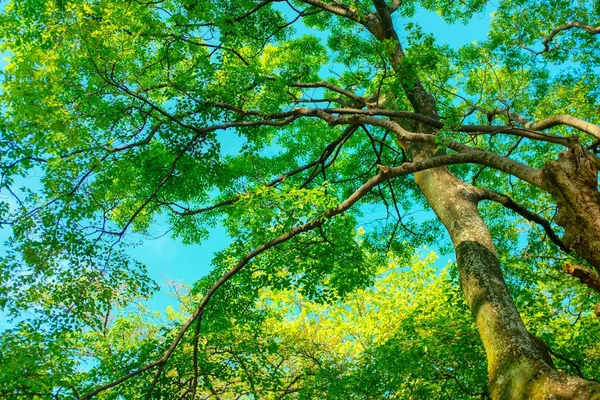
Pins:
x: 569, y: 25
x: 467, y: 154
x: 509, y: 203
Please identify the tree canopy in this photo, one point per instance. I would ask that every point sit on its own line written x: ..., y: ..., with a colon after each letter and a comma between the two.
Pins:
x: 120, y: 112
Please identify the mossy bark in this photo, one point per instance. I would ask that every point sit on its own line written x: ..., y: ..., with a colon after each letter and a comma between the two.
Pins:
x: 573, y: 182
x: 519, y: 366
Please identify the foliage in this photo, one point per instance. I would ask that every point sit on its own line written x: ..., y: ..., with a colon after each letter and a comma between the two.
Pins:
x: 116, y: 114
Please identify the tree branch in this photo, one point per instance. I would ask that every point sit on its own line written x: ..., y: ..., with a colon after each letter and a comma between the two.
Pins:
x: 385, y: 18
x: 326, y: 153
x: 499, y: 111
x: 492, y: 160
x: 569, y: 25
x: 342, y: 11
x: 563, y: 119
x: 509, y: 203
x: 356, y: 98
x: 529, y: 133
x: 254, y: 9
x: 363, y: 190
x: 584, y: 274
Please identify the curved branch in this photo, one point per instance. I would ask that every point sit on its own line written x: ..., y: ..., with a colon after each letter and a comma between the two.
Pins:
x: 563, y: 119
x: 486, y: 194
x: 559, y: 119
x: 521, y: 132
x: 569, y: 25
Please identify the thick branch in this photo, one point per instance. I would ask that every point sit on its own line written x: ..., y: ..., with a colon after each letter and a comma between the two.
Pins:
x: 529, y: 133
x: 468, y: 154
x: 338, y: 9
x: 394, y: 6
x: 569, y: 25
x: 555, y: 120
x: 584, y: 274
x: 567, y: 120
x: 385, y: 18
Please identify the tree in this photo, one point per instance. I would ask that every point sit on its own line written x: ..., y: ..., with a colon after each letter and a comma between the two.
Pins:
x: 122, y: 109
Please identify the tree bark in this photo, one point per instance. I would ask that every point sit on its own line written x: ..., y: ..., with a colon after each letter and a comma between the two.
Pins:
x: 573, y: 182
x: 519, y: 366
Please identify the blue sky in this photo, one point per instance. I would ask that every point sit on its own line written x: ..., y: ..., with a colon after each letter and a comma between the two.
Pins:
x: 458, y: 34
x: 169, y: 260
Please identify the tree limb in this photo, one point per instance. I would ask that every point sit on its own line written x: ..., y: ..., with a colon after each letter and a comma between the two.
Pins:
x: 584, y: 274
x: 529, y: 133
x: 486, y: 194
x: 326, y: 153
x: 342, y: 11
x: 493, y: 160
x: 563, y: 119
x: 569, y: 25
x: 323, y: 84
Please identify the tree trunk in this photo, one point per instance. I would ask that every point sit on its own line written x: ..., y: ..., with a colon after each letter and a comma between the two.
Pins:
x: 573, y: 182
x: 519, y: 366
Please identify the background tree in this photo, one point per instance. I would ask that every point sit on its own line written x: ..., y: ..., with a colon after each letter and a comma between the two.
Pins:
x: 122, y: 108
